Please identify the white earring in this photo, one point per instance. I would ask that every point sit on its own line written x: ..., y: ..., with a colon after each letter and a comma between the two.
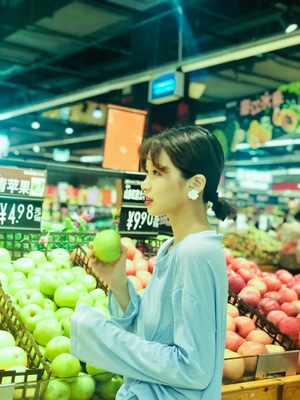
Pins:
x: 193, y: 194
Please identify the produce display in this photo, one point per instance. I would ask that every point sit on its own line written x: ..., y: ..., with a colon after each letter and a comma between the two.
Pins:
x: 254, y: 244
x: 44, y: 288
x: 274, y: 327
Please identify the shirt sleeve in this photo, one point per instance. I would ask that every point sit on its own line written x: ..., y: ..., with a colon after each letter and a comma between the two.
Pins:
x: 104, y: 344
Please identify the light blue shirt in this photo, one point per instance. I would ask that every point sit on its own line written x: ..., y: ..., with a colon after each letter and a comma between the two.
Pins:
x: 170, y: 343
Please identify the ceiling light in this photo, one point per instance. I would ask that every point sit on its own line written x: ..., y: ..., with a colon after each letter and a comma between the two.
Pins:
x: 91, y: 159
x: 271, y: 143
x: 210, y: 120
x: 97, y: 113
x: 69, y: 130
x: 242, y: 51
x: 288, y: 24
x: 36, y: 148
x: 35, y: 125
x: 4, y: 146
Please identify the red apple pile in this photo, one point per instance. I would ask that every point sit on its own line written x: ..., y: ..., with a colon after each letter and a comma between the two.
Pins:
x: 275, y: 295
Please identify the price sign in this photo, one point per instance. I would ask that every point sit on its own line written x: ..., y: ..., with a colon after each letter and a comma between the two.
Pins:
x: 135, y: 220
x: 23, y: 214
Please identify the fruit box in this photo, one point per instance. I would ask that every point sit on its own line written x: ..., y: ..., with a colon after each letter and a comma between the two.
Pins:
x: 38, y: 369
x: 19, y: 244
x: 264, y: 365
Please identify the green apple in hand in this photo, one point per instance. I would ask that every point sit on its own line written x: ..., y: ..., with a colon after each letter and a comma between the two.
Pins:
x: 106, y: 245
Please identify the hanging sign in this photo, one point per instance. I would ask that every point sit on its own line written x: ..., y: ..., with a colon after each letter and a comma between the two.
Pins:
x: 21, y: 198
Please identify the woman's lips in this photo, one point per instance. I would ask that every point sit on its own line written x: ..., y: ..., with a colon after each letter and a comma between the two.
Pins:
x: 147, y: 201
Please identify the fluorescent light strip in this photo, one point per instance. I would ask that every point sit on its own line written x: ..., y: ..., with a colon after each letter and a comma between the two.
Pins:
x: 210, y: 120
x: 272, y: 43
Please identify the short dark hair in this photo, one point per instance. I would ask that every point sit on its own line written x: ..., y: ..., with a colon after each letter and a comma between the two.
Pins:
x: 193, y: 150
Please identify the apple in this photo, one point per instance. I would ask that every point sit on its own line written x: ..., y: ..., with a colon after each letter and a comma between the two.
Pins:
x: 284, y: 276
x: 275, y: 316
x: 296, y: 287
x: 130, y: 269
x: 97, y: 294
x: 275, y: 348
x: 85, y: 298
x: 290, y: 326
x: 265, y: 305
x: 12, y: 356
x: 88, y: 280
x: 66, y: 326
x: 230, y: 323
x: 49, y: 304
x: 57, y: 390
x: 99, y: 374
x: 49, y: 282
x: 24, y: 264
x: 50, y: 314
x: 6, y: 339
x: 108, y: 389
x: 77, y: 271
x: 31, y: 296
x: 102, y: 302
x: 140, y: 264
x: 31, y: 315
x: 233, y: 340
x: 236, y: 283
x: 59, y: 253
x: 83, y: 387
x: 5, y: 256
x: 102, y: 310
x: 234, y: 365
x: 246, y: 274
x: 33, y: 282
x: 36, y: 272
x: 273, y: 294
x: 250, y: 295
x: 79, y: 286
x: 46, y: 330
x: 251, y: 348
x: 232, y: 310
x: 57, y: 345
x: 272, y: 282
x: 67, y: 275
x: 144, y: 277
x: 66, y: 296
x: 288, y: 294
x: 3, y: 278
x: 61, y: 262
x: 65, y: 365
x: 46, y: 266
x: 258, y: 335
x: 138, y: 254
x: 16, y: 286
x: 6, y: 267
x: 130, y: 245
x: 37, y: 256
x: 289, y: 308
x: 17, y: 276
x: 259, y: 284
x: 64, y: 312
x: 229, y: 257
x: 244, y: 325
x: 106, y: 245
x: 151, y: 263
x: 240, y: 262
x: 136, y: 282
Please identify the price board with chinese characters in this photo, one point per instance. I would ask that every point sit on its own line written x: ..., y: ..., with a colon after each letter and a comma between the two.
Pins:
x: 21, y: 198
x: 134, y: 218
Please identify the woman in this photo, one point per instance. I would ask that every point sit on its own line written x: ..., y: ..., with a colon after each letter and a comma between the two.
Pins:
x: 170, y: 343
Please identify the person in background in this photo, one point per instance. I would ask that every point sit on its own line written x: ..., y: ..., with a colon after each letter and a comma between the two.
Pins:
x: 169, y: 343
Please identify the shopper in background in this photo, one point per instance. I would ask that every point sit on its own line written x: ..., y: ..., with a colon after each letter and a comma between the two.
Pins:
x: 170, y: 343
x: 289, y: 234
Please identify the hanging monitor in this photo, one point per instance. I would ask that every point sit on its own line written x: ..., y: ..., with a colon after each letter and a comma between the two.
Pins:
x: 166, y: 88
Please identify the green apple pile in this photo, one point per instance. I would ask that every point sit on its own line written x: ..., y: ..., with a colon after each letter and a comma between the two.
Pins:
x: 46, y: 288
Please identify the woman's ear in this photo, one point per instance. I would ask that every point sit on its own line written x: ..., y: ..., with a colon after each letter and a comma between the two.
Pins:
x: 199, y: 182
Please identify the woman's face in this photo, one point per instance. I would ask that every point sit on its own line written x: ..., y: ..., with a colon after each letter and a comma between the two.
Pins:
x: 165, y: 192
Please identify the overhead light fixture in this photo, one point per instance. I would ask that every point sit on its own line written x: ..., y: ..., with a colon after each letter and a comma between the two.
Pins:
x: 91, y: 158
x: 288, y: 24
x: 97, y: 113
x: 69, y: 130
x: 35, y: 124
x: 210, y: 118
x: 36, y: 148
x: 196, y: 90
x: 271, y: 143
x: 4, y: 146
x: 272, y: 43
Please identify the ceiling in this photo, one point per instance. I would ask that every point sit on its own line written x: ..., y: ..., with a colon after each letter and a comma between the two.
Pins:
x: 61, y: 59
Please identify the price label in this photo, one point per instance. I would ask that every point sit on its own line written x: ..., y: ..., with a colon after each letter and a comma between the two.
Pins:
x: 136, y: 220
x: 23, y: 214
